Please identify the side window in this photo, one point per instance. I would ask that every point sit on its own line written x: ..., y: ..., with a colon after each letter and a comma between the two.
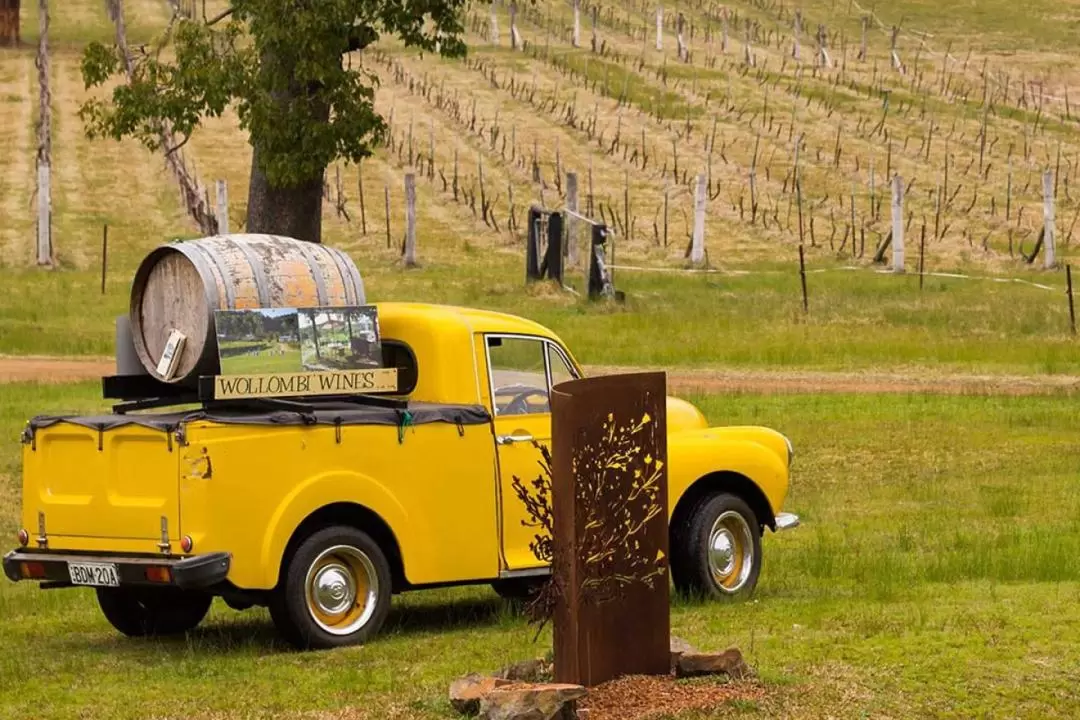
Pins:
x: 396, y: 354
x: 560, y: 371
x: 518, y: 375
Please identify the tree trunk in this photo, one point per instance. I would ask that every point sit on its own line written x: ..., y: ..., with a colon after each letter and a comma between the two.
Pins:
x: 9, y: 23
x: 294, y: 211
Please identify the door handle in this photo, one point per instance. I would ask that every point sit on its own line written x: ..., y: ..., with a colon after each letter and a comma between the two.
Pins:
x: 515, y: 438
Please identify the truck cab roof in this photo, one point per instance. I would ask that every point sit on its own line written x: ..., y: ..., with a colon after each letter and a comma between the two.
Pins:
x: 440, y: 342
x: 452, y: 318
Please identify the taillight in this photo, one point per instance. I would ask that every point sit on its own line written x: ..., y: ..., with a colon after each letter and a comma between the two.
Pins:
x: 24, y: 537
x: 186, y: 543
x: 158, y: 574
x: 32, y: 570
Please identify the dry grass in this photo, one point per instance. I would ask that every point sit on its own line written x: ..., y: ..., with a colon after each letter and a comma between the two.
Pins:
x: 756, y: 108
x: 17, y: 139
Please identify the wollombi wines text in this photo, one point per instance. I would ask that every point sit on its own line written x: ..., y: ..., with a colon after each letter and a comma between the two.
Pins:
x: 227, y: 387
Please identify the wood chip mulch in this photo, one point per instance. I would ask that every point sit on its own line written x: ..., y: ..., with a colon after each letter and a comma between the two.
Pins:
x: 638, y: 697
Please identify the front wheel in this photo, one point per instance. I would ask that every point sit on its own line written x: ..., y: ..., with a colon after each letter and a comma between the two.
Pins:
x: 718, y: 553
x: 153, y: 611
x: 335, y: 590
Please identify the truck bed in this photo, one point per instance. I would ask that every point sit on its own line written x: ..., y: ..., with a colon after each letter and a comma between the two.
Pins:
x: 114, y: 480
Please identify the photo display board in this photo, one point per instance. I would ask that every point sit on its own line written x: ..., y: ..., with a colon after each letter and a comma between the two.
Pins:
x: 283, y: 352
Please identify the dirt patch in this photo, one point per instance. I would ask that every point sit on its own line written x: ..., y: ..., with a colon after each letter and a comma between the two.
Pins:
x: 794, y: 381
x: 766, y: 382
x: 640, y: 697
x: 54, y: 370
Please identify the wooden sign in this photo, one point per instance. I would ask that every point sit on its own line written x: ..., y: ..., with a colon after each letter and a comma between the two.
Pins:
x: 609, y: 501
x: 166, y: 366
x: 347, y: 382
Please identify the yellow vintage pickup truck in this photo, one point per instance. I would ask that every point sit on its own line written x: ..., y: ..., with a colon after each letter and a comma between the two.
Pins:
x: 324, y: 511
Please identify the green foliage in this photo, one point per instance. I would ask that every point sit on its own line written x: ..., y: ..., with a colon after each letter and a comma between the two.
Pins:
x: 285, y: 67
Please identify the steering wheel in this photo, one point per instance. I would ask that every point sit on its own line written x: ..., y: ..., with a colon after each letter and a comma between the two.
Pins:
x: 519, y: 405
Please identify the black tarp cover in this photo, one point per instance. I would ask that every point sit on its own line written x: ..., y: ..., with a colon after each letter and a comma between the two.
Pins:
x: 323, y: 413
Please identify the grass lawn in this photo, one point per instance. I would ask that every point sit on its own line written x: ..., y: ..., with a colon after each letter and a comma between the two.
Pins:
x: 241, y: 364
x: 935, y: 574
x: 857, y: 320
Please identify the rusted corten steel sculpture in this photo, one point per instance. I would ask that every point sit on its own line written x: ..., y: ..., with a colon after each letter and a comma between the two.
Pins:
x: 609, y: 501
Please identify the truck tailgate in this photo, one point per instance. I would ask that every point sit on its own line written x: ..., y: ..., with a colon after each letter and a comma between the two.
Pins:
x: 115, y: 483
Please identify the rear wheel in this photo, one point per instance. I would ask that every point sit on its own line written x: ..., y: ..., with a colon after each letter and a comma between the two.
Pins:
x: 718, y: 552
x: 153, y: 611
x: 335, y: 590
x: 519, y: 589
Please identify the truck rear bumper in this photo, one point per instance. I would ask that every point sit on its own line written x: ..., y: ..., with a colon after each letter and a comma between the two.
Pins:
x: 195, y: 573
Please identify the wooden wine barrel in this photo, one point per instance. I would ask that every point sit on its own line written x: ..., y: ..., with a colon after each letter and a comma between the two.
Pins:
x: 179, y: 285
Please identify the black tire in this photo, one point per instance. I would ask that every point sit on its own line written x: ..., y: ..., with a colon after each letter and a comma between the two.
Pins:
x: 694, y: 573
x: 153, y: 611
x: 519, y: 589
x: 341, y: 552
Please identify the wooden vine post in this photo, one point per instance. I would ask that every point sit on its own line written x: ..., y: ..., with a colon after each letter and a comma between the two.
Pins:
x: 898, y: 224
x: 410, y: 220
x: 610, y: 537
x: 44, y: 151
x: 576, y: 39
x: 222, y: 207
x: 1049, y: 238
x: 697, y: 241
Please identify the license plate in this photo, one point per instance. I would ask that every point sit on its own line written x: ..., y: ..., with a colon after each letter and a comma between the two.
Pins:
x: 100, y: 574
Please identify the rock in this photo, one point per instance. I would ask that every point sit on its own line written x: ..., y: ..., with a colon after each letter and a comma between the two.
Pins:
x: 466, y: 692
x: 679, y: 647
x: 532, y: 702
x: 582, y: 714
x: 531, y: 671
x: 730, y: 663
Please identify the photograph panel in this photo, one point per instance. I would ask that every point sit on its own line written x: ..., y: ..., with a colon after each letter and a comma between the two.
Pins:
x: 262, y: 340
x: 340, y: 338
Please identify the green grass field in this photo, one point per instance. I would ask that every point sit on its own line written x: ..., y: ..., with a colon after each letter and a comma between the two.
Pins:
x: 246, y: 364
x: 857, y: 320
x: 934, y: 575
x: 936, y: 571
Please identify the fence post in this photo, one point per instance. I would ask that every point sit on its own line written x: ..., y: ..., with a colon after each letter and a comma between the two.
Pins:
x: 1069, y: 292
x: 44, y: 153
x: 386, y: 203
x: 571, y: 219
x: 1049, y: 239
x: 553, y: 258
x: 599, y: 279
x: 797, y: 34
x: 494, y: 25
x: 513, y: 26
x: 532, y: 246
x: 898, y: 224
x: 802, y: 280
x: 222, y: 207
x: 697, y: 247
x: 577, y: 23
x: 659, y: 27
x: 44, y: 237
x: 410, y: 220
x: 104, y: 254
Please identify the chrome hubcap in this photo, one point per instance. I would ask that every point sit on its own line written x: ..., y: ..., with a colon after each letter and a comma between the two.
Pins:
x: 731, y: 551
x: 334, y: 589
x: 342, y: 589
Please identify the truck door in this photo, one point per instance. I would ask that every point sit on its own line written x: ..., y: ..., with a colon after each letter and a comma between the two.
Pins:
x: 522, y: 371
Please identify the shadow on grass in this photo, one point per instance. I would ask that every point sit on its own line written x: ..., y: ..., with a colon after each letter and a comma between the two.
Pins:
x: 471, y: 613
x: 253, y: 631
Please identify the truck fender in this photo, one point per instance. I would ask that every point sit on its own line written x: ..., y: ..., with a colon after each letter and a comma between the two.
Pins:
x: 709, y: 460
x: 317, y: 492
